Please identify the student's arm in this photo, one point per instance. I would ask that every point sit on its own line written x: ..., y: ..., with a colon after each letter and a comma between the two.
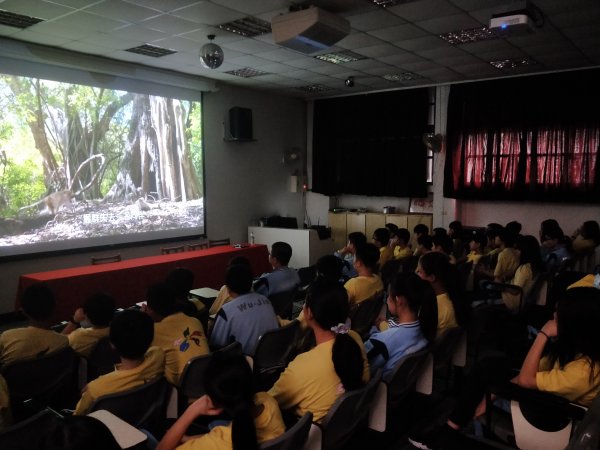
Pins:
x: 527, y: 376
x: 288, y: 388
x: 221, y: 330
x: 73, y: 324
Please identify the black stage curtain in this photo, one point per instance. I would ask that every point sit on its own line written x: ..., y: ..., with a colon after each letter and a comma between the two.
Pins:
x: 371, y: 144
x: 531, y: 138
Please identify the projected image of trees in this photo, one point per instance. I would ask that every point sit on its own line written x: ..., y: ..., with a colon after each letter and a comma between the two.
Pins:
x: 79, y: 161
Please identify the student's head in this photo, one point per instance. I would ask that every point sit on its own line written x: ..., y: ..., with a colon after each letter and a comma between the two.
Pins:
x: 529, y: 252
x: 99, y: 309
x: 443, y: 244
x: 392, y: 228
x: 439, y: 231
x: 160, y: 299
x: 492, y: 233
x: 330, y: 267
x: 238, y: 279
x: 131, y: 333
x: 549, y: 226
x: 407, y: 290
x: 591, y: 230
x: 38, y: 302
x: 381, y: 237
x: 327, y: 308
x: 79, y: 433
x: 368, y: 256
x: 425, y: 243
x: 181, y: 281
x: 421, y: 229
x: 455, y: 229
x: 228, y: 384
x: 356, y: 239
x: 403, y: 236
x: 239, y: 260
x: 553, y: 237
x: 505, y: 239
x: 477, y: 242
x: 282, y: 253
x: 514, y: 227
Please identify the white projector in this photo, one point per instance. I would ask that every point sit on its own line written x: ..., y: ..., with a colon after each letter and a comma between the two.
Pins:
x: 514, y: 23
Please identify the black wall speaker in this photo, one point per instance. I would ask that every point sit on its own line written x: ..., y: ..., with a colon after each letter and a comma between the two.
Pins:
x: 240, y: 123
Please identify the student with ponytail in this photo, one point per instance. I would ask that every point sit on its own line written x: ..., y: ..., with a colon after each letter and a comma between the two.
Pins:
x: 315, y: 379
x: 228, y: 383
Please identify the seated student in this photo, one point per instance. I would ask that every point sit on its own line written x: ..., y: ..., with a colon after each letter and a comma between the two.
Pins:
x: 367, y: 284
x: 180, y: 336
x: 36, y: 339
x: 97, y: 311
x: 492, y: 230
x: 223, y: 295
x: 283, y: 278
x: 381, y: 239
x: 563, y: 360
x: 181, y: 282
x: 315, y: 379
x: 476, y: 248
x: 555, y: 248
x: 455, y: 231
x: 424, y: 245
x: 402, y: 248
x: 131, y: 333
x: 246, y: 317
x: 329, y: 267
x: 79, y: 433
x: 255, y: 417
x: 419, y: 230
x: 514, y: 228
x: 508, y: 259
x: 443, y: 244
x: 346, y: 254
x: 5, y: 414
x: 586, y: 238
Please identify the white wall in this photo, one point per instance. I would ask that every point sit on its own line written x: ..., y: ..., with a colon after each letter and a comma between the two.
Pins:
x: 243, y: 180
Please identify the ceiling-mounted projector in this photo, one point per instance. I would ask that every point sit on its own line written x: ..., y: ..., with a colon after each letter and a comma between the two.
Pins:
x: 522, y: 19
x: 309, y: 30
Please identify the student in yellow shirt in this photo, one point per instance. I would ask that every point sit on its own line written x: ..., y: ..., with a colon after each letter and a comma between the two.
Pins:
x: 131, y: 333
x: 255, y: 418
x: 508, y: 259
x: 476, y: 248
x: 37, y: 338
x: 367, y: 284
x: 97, y: 312
x: 402, y: 248
x: 381, y: 239
x: 586, y: 238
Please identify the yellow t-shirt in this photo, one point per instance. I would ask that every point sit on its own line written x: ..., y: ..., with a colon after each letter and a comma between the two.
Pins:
x: 5, y: 415
x: 587, y: 281
x: 571, y: 382
x: 182, y: 338
x: 446, y: 316
x: 269, y: 425
x: 402, y: 253
x: 29, y: 342
x: 508, y: 261
x: 362, y: 288
x: 385, y: 254
x: 222, y: 298
x: 122, y: 379
x: 523, y: 278
x: 474, y: 257
x: 84, y: 340
x: 582, y: 246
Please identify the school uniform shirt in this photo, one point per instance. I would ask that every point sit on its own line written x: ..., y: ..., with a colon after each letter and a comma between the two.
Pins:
x: 385, y: 254
x: 523, y: 278
x: 474, y: 257
x: 582, y: 246
x: 244, y: 319
x: 122, y: 379
x: 362, y: 288
x: 571, y: 382
x: 508, y: 261
x: 222, y: 298
x: 587, y: 281
x: 282, y: 279
x: 268, y: 423
x: 446, y: 316
x: 182, y: 338
x: 5, y: 415
x: 402, y: 253
x: 84, y: 340
x: 386, y: 348
x: 29, y: 342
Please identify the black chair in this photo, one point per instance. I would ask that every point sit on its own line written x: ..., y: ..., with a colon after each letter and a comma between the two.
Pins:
x: 50, y: 379
x: 292, y: 439
x: 142, y: 407
x: 27, y: 434
x: 102, y: 359
x: 363, y: 315
x: 275, y: 349
x: 218, y: 242
x: 587, y: 433
x: 283, y: 303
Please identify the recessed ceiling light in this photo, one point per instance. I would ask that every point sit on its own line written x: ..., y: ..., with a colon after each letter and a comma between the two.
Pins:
x: 11, y: 19
x: 404, y: 76
x: 340, y: 57
x: 515, y: 63
x: 247, y: 27
x: 314, y: 88
x: 246, y: 72
x: 469, y: 35
x: 151, y: 50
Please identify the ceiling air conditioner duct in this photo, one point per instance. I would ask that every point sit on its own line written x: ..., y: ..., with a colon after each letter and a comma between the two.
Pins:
x: 309, y: 30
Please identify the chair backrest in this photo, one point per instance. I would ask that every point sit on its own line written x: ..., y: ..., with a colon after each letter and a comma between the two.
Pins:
x: 105, y: 259
x: 369, y: 392
x: 444, y: 346
x: 140, y: 406
x: 364, y: 314
x: 403, y: 378
x: 169, y: 250
x: 292, y: 439
x: 587, y: 432
x: 342, y: 420
x: 218, y: 242
x: 27, y: 434
x: 197, y: 246
x: 191, y: 382
x: 51, y: 379
x: 283, y: 303
x: 275, y: 349
x: 102, y: 359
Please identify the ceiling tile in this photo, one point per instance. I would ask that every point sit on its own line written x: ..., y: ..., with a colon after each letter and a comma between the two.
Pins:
x: 377, y: 19
x: 398, y: 33
x: 111, y: 41
x: 38, y: 38
x: 201, y: 35
x: 477, y: 69
x: 574, y: 17
x: 441, y: 52
x: 421, y: 65
x: 446, y: 24
x: 378, y: 51
x: 423, y: 43
x: 248, y: 61
x: 72, y: 32
x: 253, y: 7
x: 162, y: 5
x: 7, y: 31
x: 457, y: 60
x: 306, y: 62
x: 486, y: 46
x: 169, y: 24
x: 361, y: 64
x: 117, y: 9
x: 208, y: 13
x: 470, y: 5
x: 139, y: 33
x: 329, y: 69
x: 250, y: 46
x: 273, y: 67
x: 401, y: 58
x: 88, y: 21
x: 77, y: 4
x: 582, y: 31
x: 37, y: 8
x: 358, y: 40
x: 280, y: 55
x: 424, y: 9
x: 82, y: 47
x: 179, y: 44
x: 383, y: 69
x: 590, y: 42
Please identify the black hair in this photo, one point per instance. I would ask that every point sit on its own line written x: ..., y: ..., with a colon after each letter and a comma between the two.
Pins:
x: 507, y: 237
x: 421, y: 228
x: 357, y: 238
x: 438, y: 264
x: 368, y: 254
x: 549, y: 229
x: 228, y: 383
x: 329, y: 305
x: 403, y: 234
x: 456, y: 227
x: 79, y: 433
x: 38, y: 301
x: 591, y: 230
x: 131, y: 333
x: 238, y: 279
x: 529, y: 249
x: 330, y: 267
x: 439, y: 231
x: 237, y: 260
x: 420, y: 298
x: 445, y: 242
x: 99, y: 309
x: 493, y: 226
x: 578, y: 315
x: 161, y: 298
x: 514, y: 227
x: 282, y: 251
x: 426, y: 241
x: 392, y: 228
x: 478, y: 238
x: 492, y: 232
x: 382, y: 235
x: 181, y: 281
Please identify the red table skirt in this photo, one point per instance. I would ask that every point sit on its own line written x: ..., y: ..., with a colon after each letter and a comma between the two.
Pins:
x: 127, y: 281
